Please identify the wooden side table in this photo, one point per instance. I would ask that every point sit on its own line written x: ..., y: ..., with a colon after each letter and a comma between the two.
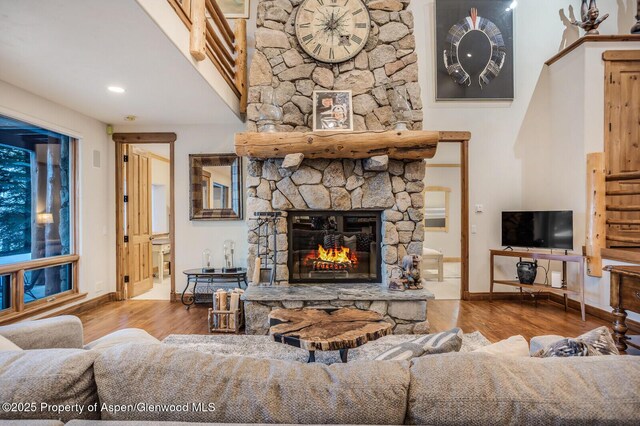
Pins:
x: 564, y: 291
x: 625, y: 296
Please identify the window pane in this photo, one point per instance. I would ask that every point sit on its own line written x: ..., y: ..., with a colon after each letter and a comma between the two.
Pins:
x: 47, y: 282
x: 35, y: 192
x: 5, y: 292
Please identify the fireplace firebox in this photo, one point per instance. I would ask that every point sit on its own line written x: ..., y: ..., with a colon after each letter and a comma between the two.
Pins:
x: 333, y: 246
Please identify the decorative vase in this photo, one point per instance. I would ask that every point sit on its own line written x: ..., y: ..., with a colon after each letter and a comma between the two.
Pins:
x: 527, y: 272
x: 398, y: 99
x: 268, y: 113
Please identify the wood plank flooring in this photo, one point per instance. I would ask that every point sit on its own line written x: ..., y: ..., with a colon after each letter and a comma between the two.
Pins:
x: 495, y: 320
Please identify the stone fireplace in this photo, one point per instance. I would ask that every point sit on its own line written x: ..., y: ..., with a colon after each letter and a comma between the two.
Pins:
x: 365, y: 214
x: 392, y: 188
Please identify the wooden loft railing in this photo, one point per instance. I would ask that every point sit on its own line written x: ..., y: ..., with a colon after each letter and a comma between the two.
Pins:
x: 613, y: 208
x: 212, y: 37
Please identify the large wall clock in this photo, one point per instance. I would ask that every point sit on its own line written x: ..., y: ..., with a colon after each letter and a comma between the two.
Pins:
x: 332, y: 31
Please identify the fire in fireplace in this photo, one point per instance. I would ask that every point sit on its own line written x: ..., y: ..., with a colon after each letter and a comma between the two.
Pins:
x: 334, y: 246
x: 340, y: 259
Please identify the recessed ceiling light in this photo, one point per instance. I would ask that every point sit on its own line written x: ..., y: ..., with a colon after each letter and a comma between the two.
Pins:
x: 115, y: 89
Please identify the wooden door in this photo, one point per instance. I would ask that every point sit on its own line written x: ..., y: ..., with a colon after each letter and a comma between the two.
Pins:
x: 138, y: 225
x: 622, y: 152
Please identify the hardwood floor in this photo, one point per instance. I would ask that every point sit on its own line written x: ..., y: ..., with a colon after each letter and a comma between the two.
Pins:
x: 495, y: 320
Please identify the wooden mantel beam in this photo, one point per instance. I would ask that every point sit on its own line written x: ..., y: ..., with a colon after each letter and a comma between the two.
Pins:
x: 399, y: 145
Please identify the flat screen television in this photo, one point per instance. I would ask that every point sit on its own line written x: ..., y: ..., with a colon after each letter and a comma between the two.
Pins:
x: 538, y: 229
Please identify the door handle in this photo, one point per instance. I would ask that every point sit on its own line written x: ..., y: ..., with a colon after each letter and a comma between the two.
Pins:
x: 637, y: 294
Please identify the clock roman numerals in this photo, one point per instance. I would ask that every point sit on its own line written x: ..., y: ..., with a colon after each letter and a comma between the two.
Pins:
x: 332, y: 31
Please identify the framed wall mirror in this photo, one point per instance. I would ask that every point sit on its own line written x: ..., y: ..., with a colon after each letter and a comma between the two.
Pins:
x: 215, y: 187
x: 436, y: 214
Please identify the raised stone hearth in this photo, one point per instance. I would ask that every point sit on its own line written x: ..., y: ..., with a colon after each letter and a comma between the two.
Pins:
x: 406, y: 311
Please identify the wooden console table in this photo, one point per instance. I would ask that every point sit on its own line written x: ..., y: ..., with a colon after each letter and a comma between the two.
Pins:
x: 564, y: 291
x: 625, y: 295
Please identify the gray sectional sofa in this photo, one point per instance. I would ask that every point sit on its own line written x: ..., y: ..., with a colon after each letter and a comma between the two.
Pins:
x: 145, y: 382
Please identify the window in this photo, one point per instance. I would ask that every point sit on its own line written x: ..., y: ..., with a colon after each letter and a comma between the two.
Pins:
x: 36, y: 215
x: 5, y: 292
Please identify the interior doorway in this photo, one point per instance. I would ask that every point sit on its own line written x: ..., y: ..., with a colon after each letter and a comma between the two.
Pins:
x: 442, y: 248
x: 145, y: 215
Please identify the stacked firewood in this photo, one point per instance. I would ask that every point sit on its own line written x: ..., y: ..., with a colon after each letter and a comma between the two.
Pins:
x: 226, y: 315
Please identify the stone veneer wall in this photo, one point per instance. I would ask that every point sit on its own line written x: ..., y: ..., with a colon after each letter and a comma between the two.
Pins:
x: 284, y: 77
x: 341, y: 185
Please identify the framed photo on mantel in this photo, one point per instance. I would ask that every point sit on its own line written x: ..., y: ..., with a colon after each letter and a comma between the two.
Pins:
x: 474, y: 40
x: 332, y: 111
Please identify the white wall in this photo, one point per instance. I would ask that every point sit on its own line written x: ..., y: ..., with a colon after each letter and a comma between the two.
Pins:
x: 576, y: 119
x: 192, y: 237
x: 506, y: 134
x: 96, y: 245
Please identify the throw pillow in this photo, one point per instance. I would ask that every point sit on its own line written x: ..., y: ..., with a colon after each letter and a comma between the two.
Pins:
x: 513, y: 346
x: 438, y: 343
x: 596, y: 342
x: 540, y: 342
x: 600, y: 341
x: 429, y: 344
x: 402, y: 352
x: 8, y: 345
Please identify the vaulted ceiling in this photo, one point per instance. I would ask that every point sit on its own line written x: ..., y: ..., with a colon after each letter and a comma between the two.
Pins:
x: 70, y: 51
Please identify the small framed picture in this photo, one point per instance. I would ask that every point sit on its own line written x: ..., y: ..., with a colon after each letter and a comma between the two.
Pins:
x: 234, y: 9
x: 332, y: 111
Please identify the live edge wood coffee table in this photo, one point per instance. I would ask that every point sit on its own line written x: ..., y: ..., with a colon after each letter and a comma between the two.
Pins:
x: 326, y: 329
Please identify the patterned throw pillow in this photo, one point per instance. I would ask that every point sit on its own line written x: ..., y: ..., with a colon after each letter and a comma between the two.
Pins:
x: 402, y: 352
x: 438, y: 343
x: 596, y: 342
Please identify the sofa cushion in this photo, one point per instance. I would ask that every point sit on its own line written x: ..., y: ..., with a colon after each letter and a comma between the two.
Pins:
x: 513, y: 346
x: 8, y: 345
x: 475, y: 388
x: 121, y: 337
x: 59, y: 332
x: 56, y: 377
x: 248, y: 390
